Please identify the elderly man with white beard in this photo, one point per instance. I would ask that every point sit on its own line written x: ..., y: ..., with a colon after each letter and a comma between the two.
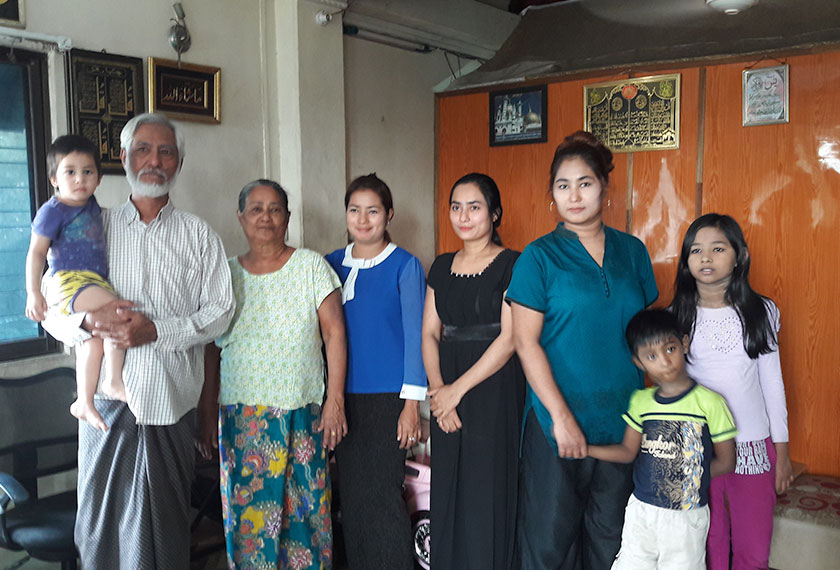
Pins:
x: 169, y: 267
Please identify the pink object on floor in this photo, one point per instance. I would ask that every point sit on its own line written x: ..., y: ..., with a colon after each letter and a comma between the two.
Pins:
x: 418, y: 478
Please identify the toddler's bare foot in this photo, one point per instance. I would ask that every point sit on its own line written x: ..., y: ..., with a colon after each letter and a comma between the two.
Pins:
x: 86, y: 411
x: 114, y: 389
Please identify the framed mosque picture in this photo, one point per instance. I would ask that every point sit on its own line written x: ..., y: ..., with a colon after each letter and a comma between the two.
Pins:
x: 519, y: 116
x: 12, y: 13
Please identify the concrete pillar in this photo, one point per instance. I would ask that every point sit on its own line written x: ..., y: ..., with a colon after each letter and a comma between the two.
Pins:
x: 305, y: 135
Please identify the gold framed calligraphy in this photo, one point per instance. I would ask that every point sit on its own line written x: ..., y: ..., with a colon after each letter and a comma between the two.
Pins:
x: 642, y: 113
x: 187, y: 91
x: 765, y: 95
x: 106, y: 90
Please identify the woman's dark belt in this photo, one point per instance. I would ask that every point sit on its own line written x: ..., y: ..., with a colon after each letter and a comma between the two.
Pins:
x: 451, y: 333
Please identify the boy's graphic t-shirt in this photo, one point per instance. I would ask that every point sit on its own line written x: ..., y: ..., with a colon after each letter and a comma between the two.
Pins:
x: 77, y: 235
x: 678, y: 433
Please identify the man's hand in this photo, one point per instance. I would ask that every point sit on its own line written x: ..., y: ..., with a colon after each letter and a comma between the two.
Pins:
x: 106, y: 316
x: 123, y: 326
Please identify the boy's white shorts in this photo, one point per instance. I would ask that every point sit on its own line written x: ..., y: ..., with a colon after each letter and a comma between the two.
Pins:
x: 662, y: 539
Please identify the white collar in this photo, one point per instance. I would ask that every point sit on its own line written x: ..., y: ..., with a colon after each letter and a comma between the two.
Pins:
x: 348, y: 291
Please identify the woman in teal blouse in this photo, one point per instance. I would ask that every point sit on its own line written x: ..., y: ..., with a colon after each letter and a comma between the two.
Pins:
x: 573, y: 292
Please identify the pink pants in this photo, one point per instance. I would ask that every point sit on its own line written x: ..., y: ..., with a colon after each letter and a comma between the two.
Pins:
x: 742, y: 518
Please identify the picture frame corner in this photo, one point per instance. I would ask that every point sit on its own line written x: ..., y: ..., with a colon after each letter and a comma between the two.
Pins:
x: 13, y: 14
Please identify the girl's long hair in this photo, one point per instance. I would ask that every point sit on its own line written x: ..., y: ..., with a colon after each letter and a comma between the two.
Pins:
x: 759, y: 336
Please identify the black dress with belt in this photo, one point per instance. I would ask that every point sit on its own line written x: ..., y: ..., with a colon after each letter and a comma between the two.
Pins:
x: 474, y: 470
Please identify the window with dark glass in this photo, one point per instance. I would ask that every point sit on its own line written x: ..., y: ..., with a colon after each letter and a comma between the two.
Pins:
x: 23, y: 187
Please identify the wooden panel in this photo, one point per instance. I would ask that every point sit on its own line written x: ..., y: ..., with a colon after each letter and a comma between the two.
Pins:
x: 781, y: 183
x: 463, y: 143
x: 526, y: 169
x: 664, y: 189
x: 521, y: 171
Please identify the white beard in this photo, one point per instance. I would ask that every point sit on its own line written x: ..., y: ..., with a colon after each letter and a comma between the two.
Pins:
x: 146, y: 190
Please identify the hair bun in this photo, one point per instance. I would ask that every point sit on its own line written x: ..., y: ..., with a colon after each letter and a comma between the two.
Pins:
x: 590, y: 140
x: 585, y: 145
x: 582, y: 137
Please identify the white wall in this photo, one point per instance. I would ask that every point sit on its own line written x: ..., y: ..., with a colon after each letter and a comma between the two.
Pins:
x: 390, y: 118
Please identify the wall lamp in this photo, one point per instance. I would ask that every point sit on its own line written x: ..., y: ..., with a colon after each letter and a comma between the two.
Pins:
x: 179, y: 35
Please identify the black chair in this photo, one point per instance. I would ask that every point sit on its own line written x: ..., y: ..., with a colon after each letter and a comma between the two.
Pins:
x: 39, y: 437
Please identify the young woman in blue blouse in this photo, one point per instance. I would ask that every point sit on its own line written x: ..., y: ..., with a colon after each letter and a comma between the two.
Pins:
x: 383, y: 294
x: 573, y: 292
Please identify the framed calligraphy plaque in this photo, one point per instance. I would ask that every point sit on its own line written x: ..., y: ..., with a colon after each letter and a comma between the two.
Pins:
x: 765, y: 95
x: 642, y: 113
x: 519, y: 116
x: 187, y: 91
x: 106, y: 90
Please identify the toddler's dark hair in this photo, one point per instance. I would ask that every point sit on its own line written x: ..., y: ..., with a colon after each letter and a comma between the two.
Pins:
x: 651, y: 326
x: 66, y: 144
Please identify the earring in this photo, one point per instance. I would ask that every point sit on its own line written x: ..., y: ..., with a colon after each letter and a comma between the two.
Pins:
x: 551, y: 206
x: 609, y: 202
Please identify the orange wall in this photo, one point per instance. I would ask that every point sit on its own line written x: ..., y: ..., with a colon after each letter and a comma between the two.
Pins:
x: 781, y: 182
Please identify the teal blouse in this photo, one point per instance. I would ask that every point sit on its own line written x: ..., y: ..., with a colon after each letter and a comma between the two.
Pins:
x: 586, y: 310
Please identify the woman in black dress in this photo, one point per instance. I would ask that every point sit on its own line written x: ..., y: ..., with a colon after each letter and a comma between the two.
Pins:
x: 476, y: 388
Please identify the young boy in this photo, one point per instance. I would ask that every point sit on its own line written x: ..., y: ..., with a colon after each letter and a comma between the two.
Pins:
x: 686, y: 436
x: 69, y: 228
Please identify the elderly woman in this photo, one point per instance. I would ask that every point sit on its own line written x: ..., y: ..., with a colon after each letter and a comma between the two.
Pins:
x: 273, y: 434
